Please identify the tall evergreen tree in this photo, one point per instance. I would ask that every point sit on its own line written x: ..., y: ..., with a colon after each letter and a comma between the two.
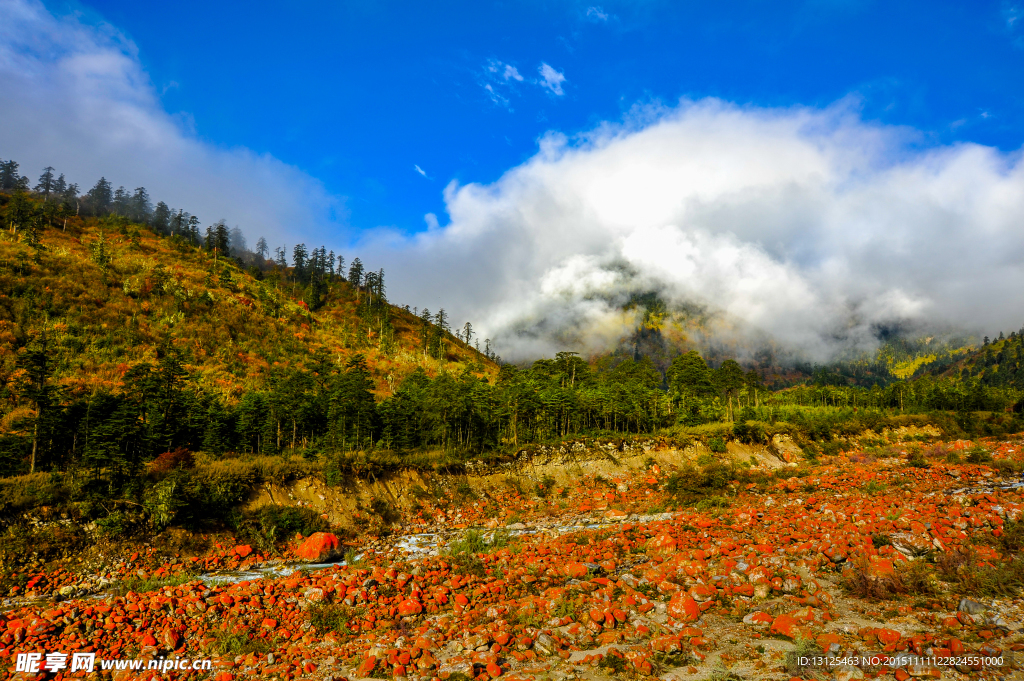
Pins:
x: 299, y: 262
x: 121, y: 203
x: 222, y: 239
x: 139, y: 207
x: 36, y: 361
x: 355, y: 273
x: 100, y: 197
x: 47, y: 183
x: 162, y: 217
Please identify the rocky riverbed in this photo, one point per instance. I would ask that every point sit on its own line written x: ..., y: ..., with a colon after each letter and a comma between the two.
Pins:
x: 602, y: 578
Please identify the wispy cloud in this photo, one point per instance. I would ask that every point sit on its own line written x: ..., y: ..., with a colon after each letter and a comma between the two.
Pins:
x: 597, y: 14
x: 497, y: 97
x: 1012, y: 15
x: 499, y: 79
x: 419, y: 170
x: 76, y: 96
x: 551, y: 79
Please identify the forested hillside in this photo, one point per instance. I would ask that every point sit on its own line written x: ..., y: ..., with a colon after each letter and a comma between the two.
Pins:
x: 124, y: 334
x: 127, y: 334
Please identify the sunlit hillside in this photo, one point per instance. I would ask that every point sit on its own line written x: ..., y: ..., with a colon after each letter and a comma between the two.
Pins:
x: 98, y: 296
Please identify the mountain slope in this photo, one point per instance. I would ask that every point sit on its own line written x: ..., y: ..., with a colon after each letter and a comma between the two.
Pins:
x: 100, y: 296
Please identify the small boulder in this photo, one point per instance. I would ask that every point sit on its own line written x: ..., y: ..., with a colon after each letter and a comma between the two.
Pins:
x: 320, y: 547
x: 971, y: 607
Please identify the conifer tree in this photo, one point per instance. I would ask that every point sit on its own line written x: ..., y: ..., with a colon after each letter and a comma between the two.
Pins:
x: 47, y: 183
x: 162, y: 217
x: 100, y: 197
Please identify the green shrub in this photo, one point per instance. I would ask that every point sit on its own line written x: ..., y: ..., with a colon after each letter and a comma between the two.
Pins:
x: 717, y: 445
x: 545, y: 486
x: 691, y: 484
x: 142, y: 585
x: 751, y: 432
x: 979, y: 455
x: 232, y: 644
x: 711, y: 503
x: 327, y: 617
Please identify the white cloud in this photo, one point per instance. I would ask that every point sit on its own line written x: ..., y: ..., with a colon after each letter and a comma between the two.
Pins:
x: 807, y: 226
x: 597, y: 14
x: 511, y: 73
x: 420, y: 170
x: 75, y: 96
x: 551, y: 79
x: 499, y: 80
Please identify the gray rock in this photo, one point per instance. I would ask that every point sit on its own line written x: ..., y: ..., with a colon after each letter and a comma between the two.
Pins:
x: 545, y: 645
x: 370, y: 582
x: 971, y: 607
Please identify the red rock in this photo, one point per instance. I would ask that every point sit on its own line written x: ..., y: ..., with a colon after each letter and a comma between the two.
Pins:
x: 269, y: 624
x: 494, y: 670
x: 170, y: 639
x: 683, y: 608
x: 758, y: 619
x: 887, y: 636
x: 662, y: 544
x: 243, y: 550
x: 367, y: 666
x: 320, y: 547
x: 575, y: 570
x: 409, y: 607
x: 702, y: 592
x: 787, y: 625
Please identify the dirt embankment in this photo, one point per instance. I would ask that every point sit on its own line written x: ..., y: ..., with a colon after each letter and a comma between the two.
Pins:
x: 557, y: 466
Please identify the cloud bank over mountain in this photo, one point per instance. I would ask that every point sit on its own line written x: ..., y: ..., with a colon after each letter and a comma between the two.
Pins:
x: 812, y: 227
x: 808, y: 226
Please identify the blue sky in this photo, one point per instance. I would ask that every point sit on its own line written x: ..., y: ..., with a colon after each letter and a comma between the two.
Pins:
x: 358, y: 93
x: 806, y: 172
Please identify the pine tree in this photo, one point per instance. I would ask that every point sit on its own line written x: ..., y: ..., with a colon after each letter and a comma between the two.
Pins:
x: 162, y: 217
x: 121, y: 204
x: 300, y: 262
x: 19, y: 211
x: 222, y: 240
x: 139, y: 207
x: 355, y: 273
x: 46, y: 184
x: 262, y: 249
x: 100, y: 197
x: 193, y: 230
x: 36, y: 361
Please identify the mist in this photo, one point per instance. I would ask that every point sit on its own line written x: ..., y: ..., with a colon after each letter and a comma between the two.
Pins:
x: 77, y: 97
x: 809, y: 228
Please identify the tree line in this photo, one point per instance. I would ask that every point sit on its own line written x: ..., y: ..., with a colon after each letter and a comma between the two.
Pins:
x: 325, y: 407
